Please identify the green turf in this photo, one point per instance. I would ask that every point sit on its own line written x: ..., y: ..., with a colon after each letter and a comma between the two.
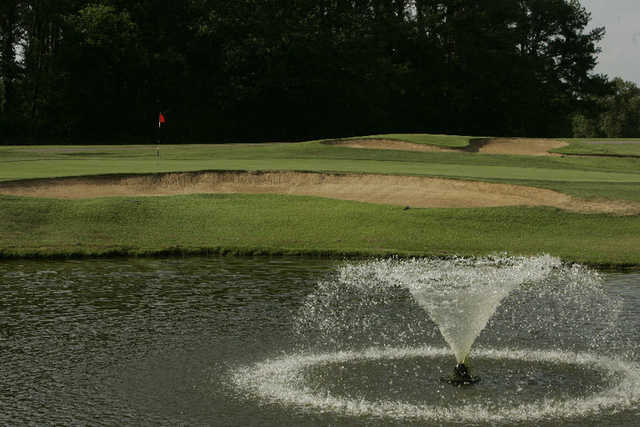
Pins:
x: 281, y: 224
x: 592, y: 177
x: 602, y: 147
x: 275, y: 224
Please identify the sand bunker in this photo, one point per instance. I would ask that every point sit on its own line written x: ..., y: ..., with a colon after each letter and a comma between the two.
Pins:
x: 520, y: 146
x: 419, y: 192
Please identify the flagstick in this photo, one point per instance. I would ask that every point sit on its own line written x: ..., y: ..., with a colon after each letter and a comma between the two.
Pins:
x: 160, y: 122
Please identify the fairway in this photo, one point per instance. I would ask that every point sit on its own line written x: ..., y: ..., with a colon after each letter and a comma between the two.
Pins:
x: 582, y: 208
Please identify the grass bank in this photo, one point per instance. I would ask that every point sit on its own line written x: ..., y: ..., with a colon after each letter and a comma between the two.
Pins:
x: 250, y: 224
x: 450, y: 141
x: 274, y: 224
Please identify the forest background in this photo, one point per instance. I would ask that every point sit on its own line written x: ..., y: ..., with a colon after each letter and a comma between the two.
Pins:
x: 101, y: 71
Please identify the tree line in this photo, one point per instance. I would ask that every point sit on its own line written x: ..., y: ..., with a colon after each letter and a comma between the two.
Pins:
x: 613, y: 114
x: 267, y: 70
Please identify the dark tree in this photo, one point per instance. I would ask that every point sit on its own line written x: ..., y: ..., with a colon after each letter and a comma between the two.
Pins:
x: 261, y: 69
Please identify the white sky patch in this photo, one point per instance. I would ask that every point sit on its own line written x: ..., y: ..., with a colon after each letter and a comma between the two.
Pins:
x: 620, y: 55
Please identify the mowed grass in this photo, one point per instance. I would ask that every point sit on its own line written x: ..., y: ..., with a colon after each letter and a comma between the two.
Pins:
x: 274, y: 224
x: 602, y: 147
x: 249, y: 224
x: 586, y: 177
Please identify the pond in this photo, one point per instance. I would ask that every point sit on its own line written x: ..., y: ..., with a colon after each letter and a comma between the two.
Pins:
x: 185, y: 341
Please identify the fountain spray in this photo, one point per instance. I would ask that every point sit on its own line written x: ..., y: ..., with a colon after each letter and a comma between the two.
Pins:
x: 459, y: 294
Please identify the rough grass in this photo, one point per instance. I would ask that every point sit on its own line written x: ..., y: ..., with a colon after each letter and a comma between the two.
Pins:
x: 304, y: 225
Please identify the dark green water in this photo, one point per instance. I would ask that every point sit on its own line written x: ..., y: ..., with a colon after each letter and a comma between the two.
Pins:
x: 154, y: 342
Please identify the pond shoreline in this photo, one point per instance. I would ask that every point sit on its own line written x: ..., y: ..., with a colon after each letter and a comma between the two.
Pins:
x: 182, y: 252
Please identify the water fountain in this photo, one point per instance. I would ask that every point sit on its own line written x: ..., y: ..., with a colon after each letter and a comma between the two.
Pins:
x: 550, y: 351
x: 294, y: 341
x: 459, y: 294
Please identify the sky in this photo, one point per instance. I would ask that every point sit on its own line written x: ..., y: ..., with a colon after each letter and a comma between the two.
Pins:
x: 620, y: 56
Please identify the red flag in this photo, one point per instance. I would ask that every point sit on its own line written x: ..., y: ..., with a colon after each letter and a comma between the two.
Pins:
x: 160, y: 119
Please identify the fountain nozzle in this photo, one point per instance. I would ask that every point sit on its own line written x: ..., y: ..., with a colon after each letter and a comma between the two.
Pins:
x: 461, y: 376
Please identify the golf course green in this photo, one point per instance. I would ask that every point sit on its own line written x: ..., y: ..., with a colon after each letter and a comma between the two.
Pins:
x: 600, y: 226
